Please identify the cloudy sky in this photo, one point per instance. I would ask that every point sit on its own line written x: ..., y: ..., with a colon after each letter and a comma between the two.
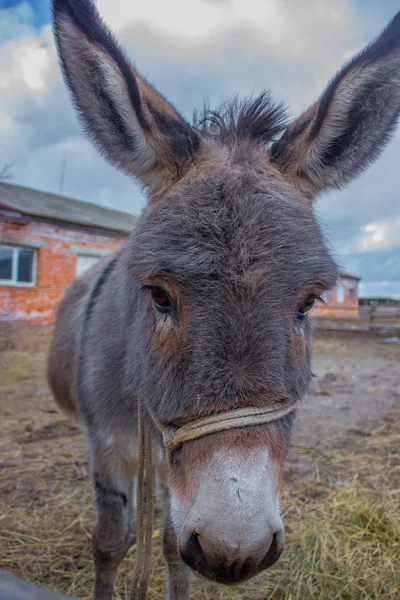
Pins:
x: 196, y: 51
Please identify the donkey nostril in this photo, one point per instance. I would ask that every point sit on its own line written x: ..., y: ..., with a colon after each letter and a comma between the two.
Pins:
x: 192, y: 553
x: 273, y: 553
x: 227, y: 564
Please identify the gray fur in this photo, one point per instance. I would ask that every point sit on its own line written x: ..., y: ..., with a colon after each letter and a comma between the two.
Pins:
x: 230, y: 234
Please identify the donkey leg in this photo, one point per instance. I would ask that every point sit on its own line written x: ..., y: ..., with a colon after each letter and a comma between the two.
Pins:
x: 113, y: 531
x: 178, y: 574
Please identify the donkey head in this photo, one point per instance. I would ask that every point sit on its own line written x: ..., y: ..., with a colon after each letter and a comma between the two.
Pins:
x: 224, y: 265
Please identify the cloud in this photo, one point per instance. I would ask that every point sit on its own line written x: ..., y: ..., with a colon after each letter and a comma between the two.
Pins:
x: 379, y: 289
x: 292, y: 47
x: 286, y: 28
x: 375, y: 265
x: 381, y: 235
x: 15, y: 21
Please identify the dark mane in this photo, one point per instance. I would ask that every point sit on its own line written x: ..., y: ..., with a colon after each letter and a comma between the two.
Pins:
x: 260, y: 119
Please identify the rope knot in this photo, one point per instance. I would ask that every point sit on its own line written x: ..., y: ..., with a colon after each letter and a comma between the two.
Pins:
x: 169, y: 440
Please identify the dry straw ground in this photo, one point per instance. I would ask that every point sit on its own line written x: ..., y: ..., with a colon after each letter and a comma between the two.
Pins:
x: 341, y: 497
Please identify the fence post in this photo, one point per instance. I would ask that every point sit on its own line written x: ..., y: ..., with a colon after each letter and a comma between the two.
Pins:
x: 372, y: 316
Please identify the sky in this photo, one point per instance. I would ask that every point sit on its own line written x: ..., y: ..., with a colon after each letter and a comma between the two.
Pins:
x: 195, y: 51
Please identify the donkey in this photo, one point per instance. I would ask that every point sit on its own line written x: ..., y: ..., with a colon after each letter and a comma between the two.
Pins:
x: 204, y: 309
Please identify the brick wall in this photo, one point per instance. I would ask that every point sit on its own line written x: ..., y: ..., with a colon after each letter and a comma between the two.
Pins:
x: 345, y: 306
x: 56, y: 267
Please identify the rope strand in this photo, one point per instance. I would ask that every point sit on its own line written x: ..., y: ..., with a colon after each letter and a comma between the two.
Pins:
x: 144, y: 525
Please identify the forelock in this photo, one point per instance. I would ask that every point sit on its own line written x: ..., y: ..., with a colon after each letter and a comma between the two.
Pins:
x: 259, y: 119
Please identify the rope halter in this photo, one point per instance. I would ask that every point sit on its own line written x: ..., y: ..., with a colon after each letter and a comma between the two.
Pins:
x: 173, y: 438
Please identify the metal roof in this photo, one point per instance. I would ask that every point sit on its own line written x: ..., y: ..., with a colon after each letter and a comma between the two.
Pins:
x: 348, y: 276
x: 50, y: 206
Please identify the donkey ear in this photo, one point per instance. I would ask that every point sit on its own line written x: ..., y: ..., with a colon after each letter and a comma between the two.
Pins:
x: 340, y: 135
x: 133, y: 125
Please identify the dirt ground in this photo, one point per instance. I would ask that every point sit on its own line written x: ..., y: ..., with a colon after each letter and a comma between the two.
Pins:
x: 345, y: 448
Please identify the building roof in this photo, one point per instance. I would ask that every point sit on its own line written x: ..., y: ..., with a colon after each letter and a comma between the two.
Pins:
x: 51, y: 206
x: 348, y: 276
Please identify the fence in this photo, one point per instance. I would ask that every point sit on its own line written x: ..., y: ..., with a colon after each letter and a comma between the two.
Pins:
x: 367, y: 316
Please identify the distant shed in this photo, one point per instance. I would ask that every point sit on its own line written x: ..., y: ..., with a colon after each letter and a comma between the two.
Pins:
x: 45, y: 241
x: 341, y: 301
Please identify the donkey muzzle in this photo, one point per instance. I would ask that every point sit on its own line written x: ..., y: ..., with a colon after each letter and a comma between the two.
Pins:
x: 225, y: 563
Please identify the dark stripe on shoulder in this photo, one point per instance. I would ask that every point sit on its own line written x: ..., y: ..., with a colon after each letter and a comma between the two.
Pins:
x: 102, y: 278
x: 97, y: 288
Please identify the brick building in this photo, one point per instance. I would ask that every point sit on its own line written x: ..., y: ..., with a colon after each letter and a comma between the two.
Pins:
x: 46, y: 241
x: 341, y: 301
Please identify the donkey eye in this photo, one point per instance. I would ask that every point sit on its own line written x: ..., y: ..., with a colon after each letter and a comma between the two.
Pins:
x: 306, y: 306
x: 161, y: 299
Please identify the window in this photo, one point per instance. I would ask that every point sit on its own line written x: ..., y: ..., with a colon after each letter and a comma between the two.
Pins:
x: 340, y: 294
x: 326, y: 296
x: 17, y: 266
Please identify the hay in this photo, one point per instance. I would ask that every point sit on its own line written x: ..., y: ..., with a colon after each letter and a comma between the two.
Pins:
x: 342, y: 521
x: 342, y: 512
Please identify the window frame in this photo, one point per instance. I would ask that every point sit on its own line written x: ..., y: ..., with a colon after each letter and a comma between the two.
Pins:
x: 14, y: 267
